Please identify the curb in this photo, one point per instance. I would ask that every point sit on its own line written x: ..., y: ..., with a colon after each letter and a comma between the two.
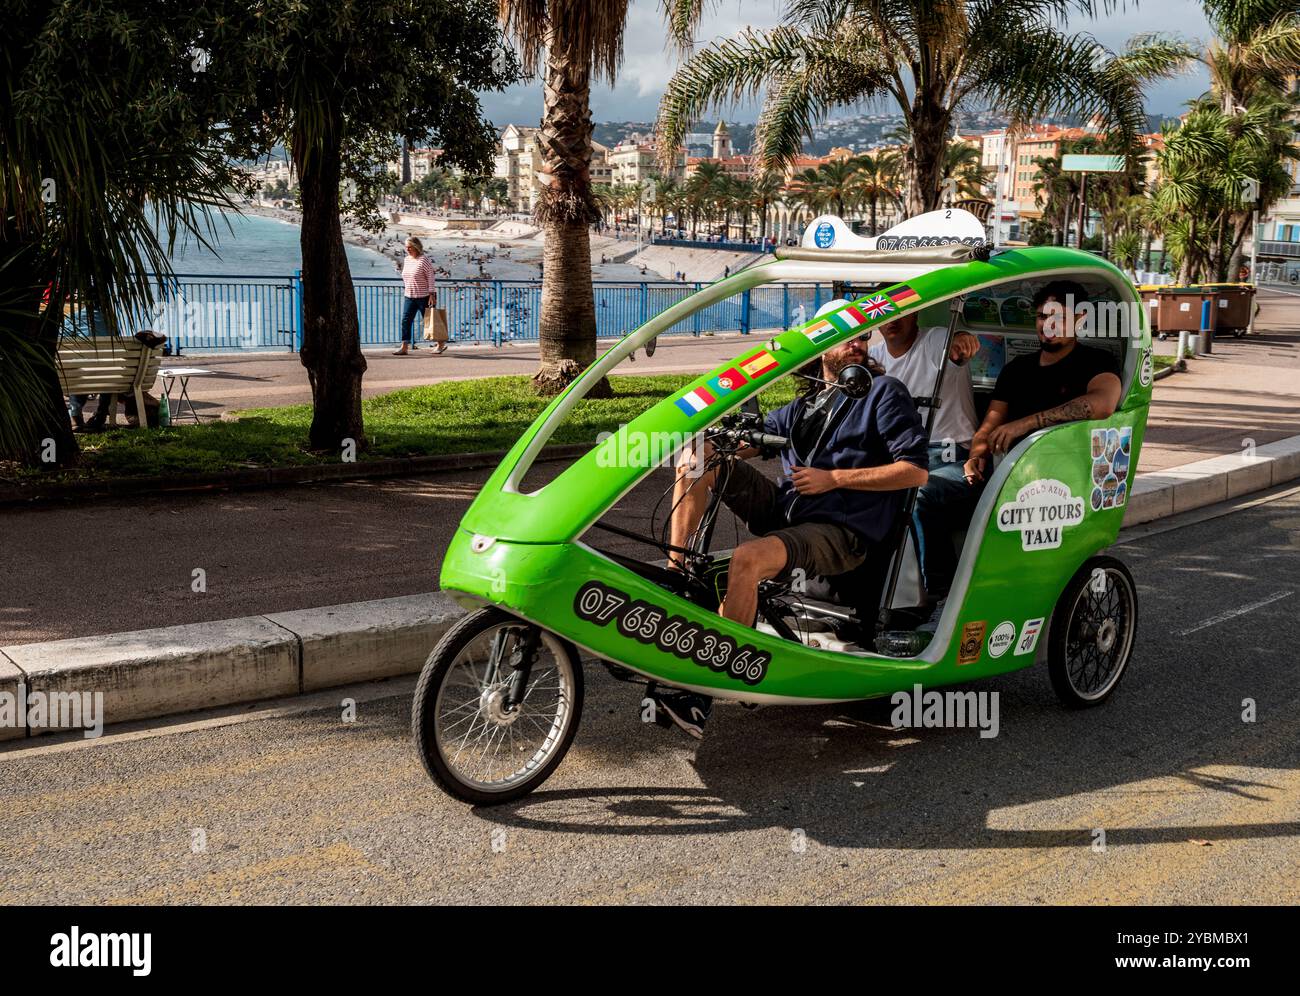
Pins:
x: 274, y: 477
x: 159, y: 672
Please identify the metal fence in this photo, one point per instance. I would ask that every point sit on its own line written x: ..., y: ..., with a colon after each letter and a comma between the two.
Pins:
x: 218, y: 313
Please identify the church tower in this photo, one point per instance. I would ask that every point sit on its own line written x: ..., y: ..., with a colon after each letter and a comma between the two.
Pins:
x: 721, y: 141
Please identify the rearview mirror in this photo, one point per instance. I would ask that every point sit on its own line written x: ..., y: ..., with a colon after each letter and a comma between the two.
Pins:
x: 855, y: 381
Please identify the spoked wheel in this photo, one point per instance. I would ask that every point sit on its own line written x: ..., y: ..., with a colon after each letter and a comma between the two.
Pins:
x: 496, y: 707
x: 1092, y: 632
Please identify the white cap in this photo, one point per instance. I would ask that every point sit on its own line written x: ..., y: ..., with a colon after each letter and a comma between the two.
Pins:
x: 830, y: 306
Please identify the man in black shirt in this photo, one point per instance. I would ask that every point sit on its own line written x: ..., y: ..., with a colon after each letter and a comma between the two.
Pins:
x: 1062, y: 382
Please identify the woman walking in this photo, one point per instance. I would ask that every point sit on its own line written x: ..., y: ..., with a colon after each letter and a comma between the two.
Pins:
x: 418, y: 283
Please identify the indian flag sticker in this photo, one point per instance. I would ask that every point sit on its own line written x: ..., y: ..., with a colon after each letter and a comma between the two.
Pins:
x: 820, y: 332
x: 904, y: 296
x: 693, y: 402
x: 760, y: 363
x: 728, y: 380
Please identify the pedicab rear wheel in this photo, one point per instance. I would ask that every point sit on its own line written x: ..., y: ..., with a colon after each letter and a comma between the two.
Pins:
x: 1091, y: 637
x: 474, y: 745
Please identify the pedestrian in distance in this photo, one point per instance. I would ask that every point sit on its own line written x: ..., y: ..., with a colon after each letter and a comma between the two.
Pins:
x: 420, y: 290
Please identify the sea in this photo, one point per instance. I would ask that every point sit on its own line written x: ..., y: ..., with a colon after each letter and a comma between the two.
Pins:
x: 253, y: 246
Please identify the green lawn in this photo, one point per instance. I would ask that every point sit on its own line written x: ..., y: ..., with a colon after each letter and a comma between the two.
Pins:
x: 1161, y: 362
x: 459, y: 417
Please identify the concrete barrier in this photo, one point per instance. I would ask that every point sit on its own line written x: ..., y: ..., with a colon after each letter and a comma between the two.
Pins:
x: 157, y: 672
x: 1206, y: 482
x: 362, y: 641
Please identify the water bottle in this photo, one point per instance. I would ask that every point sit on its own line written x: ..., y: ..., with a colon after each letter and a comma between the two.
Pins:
x: 164, y: 412
x: 902, y: 642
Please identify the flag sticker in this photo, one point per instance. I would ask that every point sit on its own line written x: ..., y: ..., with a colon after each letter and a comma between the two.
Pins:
x: 728, y: 380
x: 877, y: 306
x: 858, y: 316
x: 822, y: 330
x: 904, y: 296
x: 760, y: 363
x: 693, y: 402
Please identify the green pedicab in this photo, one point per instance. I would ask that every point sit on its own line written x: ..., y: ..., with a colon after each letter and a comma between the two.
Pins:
x: 499, y: 700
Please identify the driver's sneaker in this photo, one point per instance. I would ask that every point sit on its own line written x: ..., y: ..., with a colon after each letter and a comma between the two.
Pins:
x: 686, y: 710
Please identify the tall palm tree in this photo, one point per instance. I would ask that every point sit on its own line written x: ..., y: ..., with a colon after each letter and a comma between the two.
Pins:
x: 930, y: 57
x: 1256, y: 44
x: 580, y: 40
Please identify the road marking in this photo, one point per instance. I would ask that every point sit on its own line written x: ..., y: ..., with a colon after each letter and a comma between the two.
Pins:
x: 1233, y: 613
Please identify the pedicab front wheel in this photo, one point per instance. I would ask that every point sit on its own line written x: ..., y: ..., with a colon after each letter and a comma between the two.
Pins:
x: 496, y: 707
x: 1091, y: 637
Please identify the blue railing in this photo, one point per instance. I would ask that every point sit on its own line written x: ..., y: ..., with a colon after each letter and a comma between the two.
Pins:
x: 217, y: 313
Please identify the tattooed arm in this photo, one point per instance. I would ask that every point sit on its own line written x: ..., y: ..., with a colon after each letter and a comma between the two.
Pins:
x: 1099, y: 402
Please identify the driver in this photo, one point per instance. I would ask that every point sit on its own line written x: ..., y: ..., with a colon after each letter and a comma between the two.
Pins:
x: 846, y: 470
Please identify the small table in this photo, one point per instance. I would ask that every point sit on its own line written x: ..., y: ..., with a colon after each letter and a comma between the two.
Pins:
x: 170, y: 375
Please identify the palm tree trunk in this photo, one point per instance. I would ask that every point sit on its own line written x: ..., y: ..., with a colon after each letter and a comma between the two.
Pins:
x: 565, y: 211
x: 331, y: 337
x: 924, y: 159
x: 874, y: 229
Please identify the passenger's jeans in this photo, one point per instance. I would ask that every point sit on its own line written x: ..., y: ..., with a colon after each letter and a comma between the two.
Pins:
x: 943, y: 506
x: 414, y: 306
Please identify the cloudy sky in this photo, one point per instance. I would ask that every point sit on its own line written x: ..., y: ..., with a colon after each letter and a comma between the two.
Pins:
x: 648, y: 63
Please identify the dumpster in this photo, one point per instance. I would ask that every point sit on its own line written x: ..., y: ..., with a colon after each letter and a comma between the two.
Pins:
x: 1180, y: 309
x: 1150, y: 295
x: 1234, y: 305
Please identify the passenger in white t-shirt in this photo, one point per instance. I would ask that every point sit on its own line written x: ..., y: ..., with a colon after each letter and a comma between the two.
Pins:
x: 946, y: 502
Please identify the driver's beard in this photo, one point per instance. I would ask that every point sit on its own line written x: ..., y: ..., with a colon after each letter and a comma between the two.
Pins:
x: 1055, y: 345
x: 832, y: 365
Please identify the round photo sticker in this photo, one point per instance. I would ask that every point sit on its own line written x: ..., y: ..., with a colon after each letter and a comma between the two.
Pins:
x: 1112, y: 443
x: 1121, y: 493
x: 1125, y: 439
x: 1096, y: 499
x: 1100, y: 468
x: 1098, y: 444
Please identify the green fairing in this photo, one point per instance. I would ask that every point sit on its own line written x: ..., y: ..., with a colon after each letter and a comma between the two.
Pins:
x: 536, y: 563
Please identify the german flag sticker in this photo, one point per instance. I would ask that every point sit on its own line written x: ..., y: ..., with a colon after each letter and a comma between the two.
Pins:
x: 904, y: 296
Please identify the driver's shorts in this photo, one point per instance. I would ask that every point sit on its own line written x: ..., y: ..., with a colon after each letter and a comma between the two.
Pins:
x: 820, y: 549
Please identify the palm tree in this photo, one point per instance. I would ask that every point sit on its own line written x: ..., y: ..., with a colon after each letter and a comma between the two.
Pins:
x: 877, y: 174
x: 930, y: 57
x: 107, y: 161
x: 1256, y: 45
x: 704, y: 190
x: 963, y: 165
x: 767, y: 190
x: 580, y: 40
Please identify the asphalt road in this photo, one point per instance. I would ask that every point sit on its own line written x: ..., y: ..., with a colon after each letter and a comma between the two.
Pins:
x: 785, y: 805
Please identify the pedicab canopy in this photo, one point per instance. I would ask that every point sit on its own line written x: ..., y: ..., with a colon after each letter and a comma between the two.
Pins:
x: 926, y: 274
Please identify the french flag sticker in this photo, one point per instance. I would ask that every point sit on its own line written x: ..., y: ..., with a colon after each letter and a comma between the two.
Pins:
x: 693, y: 402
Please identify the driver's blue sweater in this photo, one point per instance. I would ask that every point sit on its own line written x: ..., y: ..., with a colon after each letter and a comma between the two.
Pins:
x: 870, y: 432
